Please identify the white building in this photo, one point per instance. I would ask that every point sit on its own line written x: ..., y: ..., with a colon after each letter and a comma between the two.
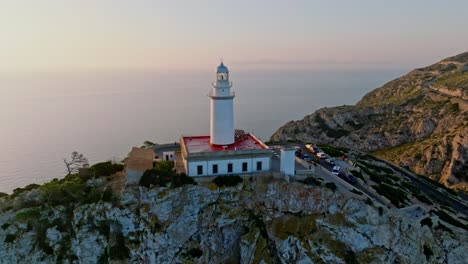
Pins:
x: 287, y: 164
x: 222, y: 152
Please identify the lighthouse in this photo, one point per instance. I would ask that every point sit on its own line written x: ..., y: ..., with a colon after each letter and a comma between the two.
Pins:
x: 222, y: 152
x: 222, y: 109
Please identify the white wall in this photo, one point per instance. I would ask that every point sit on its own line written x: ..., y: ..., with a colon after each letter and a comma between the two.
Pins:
x: 222, y: 121
x: 170, y: 155
x: 287, y: 161
x: 223, y: 164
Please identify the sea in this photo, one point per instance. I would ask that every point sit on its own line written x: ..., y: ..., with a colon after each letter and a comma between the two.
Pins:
x: 103, y: 114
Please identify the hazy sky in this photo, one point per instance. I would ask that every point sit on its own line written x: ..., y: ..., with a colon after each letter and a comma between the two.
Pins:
x: 151, y: 34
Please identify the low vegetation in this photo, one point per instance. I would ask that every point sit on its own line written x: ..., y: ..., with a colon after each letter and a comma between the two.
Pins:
x: 228, y: 180
x: 164, y: 174
x: 448, y: 219
x: 311, y: 181
x: 106, y: 168
x: 333, y: 151
x: 332, y: 133
x: 331, y: 186
x: 396, y: 196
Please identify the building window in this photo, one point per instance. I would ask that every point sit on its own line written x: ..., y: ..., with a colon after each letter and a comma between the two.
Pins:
x: 199, y: 169
x: 215, y: 168
x: 259, y: 165
x: 230, y: 167
x: 244, y: 166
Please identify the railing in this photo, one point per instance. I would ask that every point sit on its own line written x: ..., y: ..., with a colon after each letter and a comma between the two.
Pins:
x: 228, y: 86
x: 230, y: 95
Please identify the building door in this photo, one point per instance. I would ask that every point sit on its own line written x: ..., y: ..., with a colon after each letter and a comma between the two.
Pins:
x: 229, y: 168
x: 215, y: 168
x: 167, y: 157
x: 199, y: 169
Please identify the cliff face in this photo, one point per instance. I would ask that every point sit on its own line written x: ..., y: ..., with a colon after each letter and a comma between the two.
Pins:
x: 419, y: 120
x: 255, y: 222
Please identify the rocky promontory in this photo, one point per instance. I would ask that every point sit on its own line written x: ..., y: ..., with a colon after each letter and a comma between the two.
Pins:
x: 260, y: 220
x: 419, y: 121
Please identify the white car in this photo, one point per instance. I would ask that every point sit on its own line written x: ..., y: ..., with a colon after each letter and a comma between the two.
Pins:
x: 321, y: 155
x: 336, y: 170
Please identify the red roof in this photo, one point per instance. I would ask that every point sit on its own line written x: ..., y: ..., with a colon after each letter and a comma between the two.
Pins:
x: 195, y: 144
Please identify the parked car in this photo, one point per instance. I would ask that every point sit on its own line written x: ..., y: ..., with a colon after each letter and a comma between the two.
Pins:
x: 336, y: 170
x: 350, y: 178
x: 321, y: 155
x: 330, y: 161
x: 306, y: 157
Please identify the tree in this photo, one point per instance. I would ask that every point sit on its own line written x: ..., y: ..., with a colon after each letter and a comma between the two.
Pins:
x: 76, y: 162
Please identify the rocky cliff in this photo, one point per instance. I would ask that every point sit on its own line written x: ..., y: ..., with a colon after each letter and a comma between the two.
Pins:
x: 258, y: 221
x: 419, y: 120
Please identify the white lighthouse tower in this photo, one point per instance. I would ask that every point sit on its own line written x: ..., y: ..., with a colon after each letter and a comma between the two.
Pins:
x: 222, y: 109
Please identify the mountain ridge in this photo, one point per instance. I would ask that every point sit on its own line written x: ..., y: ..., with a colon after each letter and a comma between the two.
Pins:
x: 418, y: 121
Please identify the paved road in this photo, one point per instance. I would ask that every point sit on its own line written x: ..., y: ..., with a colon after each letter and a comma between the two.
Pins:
x: 426, y: 188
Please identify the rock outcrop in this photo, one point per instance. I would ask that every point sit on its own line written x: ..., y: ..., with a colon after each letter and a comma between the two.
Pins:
x: 271, y: 221
x: 419, y: 120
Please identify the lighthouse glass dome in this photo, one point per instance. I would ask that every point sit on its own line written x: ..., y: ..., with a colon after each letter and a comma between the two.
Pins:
x: 222, y: 73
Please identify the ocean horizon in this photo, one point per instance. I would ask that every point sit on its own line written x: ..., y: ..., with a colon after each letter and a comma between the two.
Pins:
x: 46, y: 116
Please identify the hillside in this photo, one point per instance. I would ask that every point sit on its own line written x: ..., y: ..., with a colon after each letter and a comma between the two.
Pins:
x: 419, y: 121
x: 259, y: 220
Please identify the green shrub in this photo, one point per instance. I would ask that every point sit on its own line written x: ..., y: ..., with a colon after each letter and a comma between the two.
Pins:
x: 2, y: 194
x: 181, y: 180
x: 28, y: 214
x: 41, y: 237
x: 356, y: 191
x: 106, y: 168
x: 426, y: 221
x: 358, y: 174
x: 380, y: 210
x: 160, y: 175
x: 154, y: 178
x: 228, y: 180
x: 311, y: 181
x: 119, y: 250
x: 448, y: 219
x: 331, y: 186
x: 332, y: 151
x: 5, y: 226
x: 195, y: 252
x: 350, y: 257
x: 442, y: 227
x: 396, y: 196
x: 427, y: 251
x: 72, y: 189
x: 423, y: 198
x: 10, y: 238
